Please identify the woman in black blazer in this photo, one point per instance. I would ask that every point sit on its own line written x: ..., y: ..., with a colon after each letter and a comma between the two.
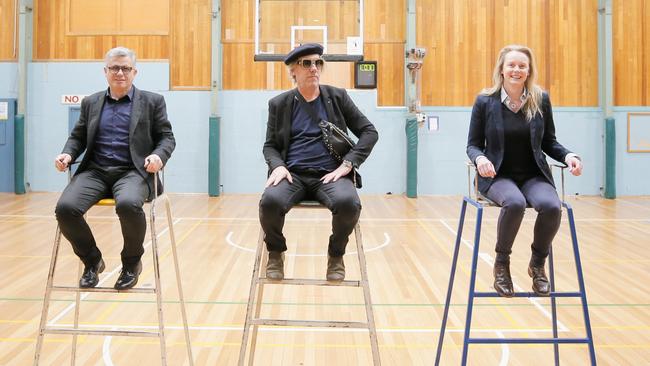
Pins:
x: 511, y: 132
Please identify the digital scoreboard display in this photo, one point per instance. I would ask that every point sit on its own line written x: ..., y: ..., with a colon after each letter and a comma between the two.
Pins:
x: 365, y: 74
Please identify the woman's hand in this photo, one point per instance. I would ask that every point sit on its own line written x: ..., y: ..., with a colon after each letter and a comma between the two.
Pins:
x: 485, y: 168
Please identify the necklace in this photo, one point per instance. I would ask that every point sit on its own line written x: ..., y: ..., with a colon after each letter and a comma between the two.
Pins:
x: 513, y: 105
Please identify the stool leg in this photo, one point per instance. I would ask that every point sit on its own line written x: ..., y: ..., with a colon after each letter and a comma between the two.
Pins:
x: 251, y: 299
x: 372, y: 330
x: 156, y: 273
x: 450, y: 287
x: 258, y: 302
x: 48, y: 294
x: 472, y: 285
x: 77, y: 301
x: 172, y: 237
x: 581, y: 283
x: 551, y: 270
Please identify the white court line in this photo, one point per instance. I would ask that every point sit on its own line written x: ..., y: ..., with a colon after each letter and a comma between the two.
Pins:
x: 490, y: 261
x: 250, y: 250
x: 106, y: 350
x: 308, y: 329
x: 505, y: 350
x: 106, y: 277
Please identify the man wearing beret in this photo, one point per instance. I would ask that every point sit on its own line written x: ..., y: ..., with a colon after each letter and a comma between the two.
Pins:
x: 300, y: 166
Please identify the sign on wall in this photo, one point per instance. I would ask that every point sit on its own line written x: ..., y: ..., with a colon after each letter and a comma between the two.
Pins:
x: 73, y: 99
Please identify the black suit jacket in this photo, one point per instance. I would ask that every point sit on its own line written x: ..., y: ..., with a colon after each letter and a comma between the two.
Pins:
x: 341, y: 111
x: 150, y: 131
x: 486, y: 136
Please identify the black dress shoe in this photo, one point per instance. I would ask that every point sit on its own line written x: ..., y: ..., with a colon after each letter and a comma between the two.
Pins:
x: 502, y: 280
x: 541, y: 286
x: 90, y: 276
x: 128, y: 277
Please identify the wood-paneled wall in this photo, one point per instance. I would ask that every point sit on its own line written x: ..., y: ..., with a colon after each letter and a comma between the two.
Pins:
x: 463, y: 38
x: 8, y: 49
x: 631, y: 44
x: 187, y: 46
x: 190, y: 54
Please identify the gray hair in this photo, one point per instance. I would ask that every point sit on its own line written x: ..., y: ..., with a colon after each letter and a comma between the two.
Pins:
x: 120, y: 52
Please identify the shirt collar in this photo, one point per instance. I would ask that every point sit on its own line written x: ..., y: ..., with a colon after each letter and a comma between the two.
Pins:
x: 505, y: 98
x: 129, y: 94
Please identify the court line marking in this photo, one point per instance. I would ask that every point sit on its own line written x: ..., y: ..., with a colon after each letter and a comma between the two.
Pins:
x: 250, y: 250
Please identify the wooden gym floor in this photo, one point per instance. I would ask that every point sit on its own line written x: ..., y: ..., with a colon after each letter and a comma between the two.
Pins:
x: 408, y: 246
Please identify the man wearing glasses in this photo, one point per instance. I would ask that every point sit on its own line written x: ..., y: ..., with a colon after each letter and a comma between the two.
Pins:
x: 300, y: 166
x: 126, y: 136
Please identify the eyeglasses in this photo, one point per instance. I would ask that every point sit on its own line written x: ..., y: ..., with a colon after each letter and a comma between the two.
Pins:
x: 116, y: 69
x: 307, y: 63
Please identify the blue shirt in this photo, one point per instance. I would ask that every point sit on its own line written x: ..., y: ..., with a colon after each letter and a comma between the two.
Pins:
x: 306, y: 147
x: 112, y: 139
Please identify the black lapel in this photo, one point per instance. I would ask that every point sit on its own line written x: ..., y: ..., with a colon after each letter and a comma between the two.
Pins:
x: 498, y: 120
x: 136, y: 110
x: 94, y: 115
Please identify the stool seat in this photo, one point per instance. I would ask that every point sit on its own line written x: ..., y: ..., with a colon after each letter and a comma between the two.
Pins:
x: 106, y: 202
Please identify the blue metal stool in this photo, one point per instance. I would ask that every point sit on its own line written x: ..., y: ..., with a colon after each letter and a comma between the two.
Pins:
x: 480, y: 202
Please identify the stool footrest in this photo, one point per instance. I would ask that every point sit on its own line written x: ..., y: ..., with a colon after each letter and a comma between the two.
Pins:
x: 527, y: 340
x: 139, y: 290
x: 530, y: 294
x: 97, y: 332
x: 309, y: 323
x: 309, y: 281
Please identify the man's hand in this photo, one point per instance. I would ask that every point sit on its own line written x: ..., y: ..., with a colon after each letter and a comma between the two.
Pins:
x: 62, y: 161
x: 152, y: 163
x: 277, y: 175
x: 485, y: 168
x: 341, y: 171
x: 575, y: 165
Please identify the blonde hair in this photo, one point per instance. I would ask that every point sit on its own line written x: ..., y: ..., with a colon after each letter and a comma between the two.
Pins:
x: 533, y: 101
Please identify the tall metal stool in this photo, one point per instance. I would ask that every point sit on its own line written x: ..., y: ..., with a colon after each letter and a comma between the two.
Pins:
x: 258, y: 282
x: 157, y: 290
x: 480, y: 202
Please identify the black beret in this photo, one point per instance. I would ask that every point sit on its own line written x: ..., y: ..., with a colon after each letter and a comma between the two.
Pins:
x: 303, y: 50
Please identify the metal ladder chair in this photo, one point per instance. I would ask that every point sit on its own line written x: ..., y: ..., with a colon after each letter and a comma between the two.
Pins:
x: 75, y: 330
x: 258, y: 282
x: 480, y: 202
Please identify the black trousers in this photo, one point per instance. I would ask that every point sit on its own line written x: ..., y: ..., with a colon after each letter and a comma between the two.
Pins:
x: 129, y: 190
x: 339, y: 197
x: 513, y: 197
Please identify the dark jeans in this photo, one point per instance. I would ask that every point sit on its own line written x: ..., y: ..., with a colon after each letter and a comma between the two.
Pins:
x: 513, y: 197
x: 340, y: 197
x: 129, y: 190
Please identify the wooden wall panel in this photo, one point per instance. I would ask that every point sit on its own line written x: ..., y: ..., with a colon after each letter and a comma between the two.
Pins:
x: 8, y: 46
x: 631, y: 44
x: 51, y: 42
x: 463, y: 37
x: 190, y: 61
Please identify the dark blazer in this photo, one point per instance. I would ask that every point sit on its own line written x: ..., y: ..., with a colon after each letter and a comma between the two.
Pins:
x: 486, y: 136
x: 341, y: 111
x: 150, y: 131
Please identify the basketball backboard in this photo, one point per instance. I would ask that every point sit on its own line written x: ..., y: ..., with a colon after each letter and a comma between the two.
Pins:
x: 282, y: 25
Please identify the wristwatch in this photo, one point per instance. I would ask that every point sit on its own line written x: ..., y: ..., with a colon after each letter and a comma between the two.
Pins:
x: 348, y: 164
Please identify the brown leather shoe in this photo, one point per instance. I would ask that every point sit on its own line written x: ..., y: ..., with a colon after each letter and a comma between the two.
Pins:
x: 275, y: 266
x: 541, y: 286
x: 335, y: 268
x: 502, y: 280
